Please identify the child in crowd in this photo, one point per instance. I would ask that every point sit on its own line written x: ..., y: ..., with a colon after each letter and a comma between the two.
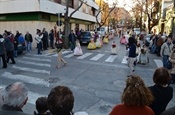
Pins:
x: 78, y: 51
x: 114, y: 48
x: 123, y: 40
x: 91, y: 45
x: 41, y: 106
x: 105, y: 39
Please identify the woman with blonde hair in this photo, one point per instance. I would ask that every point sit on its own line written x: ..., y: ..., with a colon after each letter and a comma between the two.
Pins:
x: 135, y: 99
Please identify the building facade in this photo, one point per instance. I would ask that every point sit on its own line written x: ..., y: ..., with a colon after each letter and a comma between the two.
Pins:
x: 29, y: 15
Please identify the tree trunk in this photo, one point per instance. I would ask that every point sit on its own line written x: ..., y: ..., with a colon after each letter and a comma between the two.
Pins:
x: 66, y: 34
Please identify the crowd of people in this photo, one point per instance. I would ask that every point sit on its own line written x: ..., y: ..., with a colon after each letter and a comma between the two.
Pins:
x: 136, y: 98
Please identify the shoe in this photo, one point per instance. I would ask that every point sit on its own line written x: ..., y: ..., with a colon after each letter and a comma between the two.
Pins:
x: 13, y: 63
x: 57, y: 66
x: 4, y: 67
x: 65, y: 63
x: 133, y: 70
x: 128, y: 75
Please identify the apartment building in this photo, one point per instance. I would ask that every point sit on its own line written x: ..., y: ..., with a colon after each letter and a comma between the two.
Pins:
x: 29, y: 15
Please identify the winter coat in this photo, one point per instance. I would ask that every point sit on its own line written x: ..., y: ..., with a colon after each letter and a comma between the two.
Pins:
x: 2, y: 46
x: 166, y: 49
x: 9, y: 45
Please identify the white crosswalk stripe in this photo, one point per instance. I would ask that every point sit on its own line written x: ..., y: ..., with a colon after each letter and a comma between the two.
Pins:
x: 84, y: 56
x: 97, y: 57
x: 69, y: 56
x: 24, y: 78
x: 31, y: 70
x: 158, y: 62
x: 34, y: 63
x: 124, y: 61
x: 37, y: 59
x: 111, y: 58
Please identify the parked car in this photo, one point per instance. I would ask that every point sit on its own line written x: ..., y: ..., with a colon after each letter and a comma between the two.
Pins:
x: 147, y: 39
x: 86, y: 36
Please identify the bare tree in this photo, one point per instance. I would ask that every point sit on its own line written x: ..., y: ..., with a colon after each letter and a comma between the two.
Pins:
x: 101, y: 11
x: 151, y: 10
x: 67, y: 18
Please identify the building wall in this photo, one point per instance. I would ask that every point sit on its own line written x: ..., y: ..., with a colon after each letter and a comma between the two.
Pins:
x: 23, y: 26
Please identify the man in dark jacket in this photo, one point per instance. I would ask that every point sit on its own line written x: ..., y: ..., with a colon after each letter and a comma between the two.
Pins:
x: 72, y: 39
x: 9, y: 49
x: 2, y: 51
x: 29, y: 40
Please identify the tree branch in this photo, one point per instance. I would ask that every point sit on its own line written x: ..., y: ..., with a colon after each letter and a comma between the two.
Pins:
x: 82, y: 2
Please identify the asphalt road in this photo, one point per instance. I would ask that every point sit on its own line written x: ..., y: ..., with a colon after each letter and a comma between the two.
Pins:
x: 97, y: 83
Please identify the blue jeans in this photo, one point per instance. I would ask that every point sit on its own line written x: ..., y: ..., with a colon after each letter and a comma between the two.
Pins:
x: 29, y: 46
x: 165, y: 59
x: 39, y: 47
x: 15, y: 52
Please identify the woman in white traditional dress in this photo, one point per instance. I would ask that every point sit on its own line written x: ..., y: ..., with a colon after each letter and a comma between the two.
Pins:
x: 98, y: 43
x: 78, y: 51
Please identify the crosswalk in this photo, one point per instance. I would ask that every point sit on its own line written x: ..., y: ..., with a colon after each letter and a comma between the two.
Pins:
x: 30, y: 70
x: 40, y: 65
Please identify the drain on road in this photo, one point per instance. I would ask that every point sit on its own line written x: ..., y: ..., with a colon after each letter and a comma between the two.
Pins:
x: 53, y: 80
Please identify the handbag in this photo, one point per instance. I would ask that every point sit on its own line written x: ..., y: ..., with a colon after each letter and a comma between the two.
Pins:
x: 59, y: 44
x: 168, y: 64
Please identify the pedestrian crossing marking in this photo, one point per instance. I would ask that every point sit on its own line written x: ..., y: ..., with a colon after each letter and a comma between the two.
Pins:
x: 158, y: 62
x: 97, y: 57
x: 64, y: 52
x: 37, y: 59
x: 34, y: 63
x: 69, y: 56
x: 84, y: 56
x: 32, y: 70
x: 27, y: 79
x: 111, y: 58
x: 124, y: 61
x: 32, y: 97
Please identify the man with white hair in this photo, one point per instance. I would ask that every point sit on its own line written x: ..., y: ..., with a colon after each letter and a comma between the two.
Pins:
x: 14, y: 97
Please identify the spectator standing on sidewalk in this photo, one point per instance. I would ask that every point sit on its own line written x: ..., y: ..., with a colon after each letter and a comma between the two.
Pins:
x: 60, y: 101
x: 161, y: 91
x: 45, y: 39
x: 9, y: 49
x: 15, y: 46
x: 29, y: 40
x: 165, y: 51
x: 15, y: 96
x: 41, y: 106
x: 51, y: 37
x: 38, y: 38
x: 135, y: 99
x: 72, y: 39
x: 2, y: 51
